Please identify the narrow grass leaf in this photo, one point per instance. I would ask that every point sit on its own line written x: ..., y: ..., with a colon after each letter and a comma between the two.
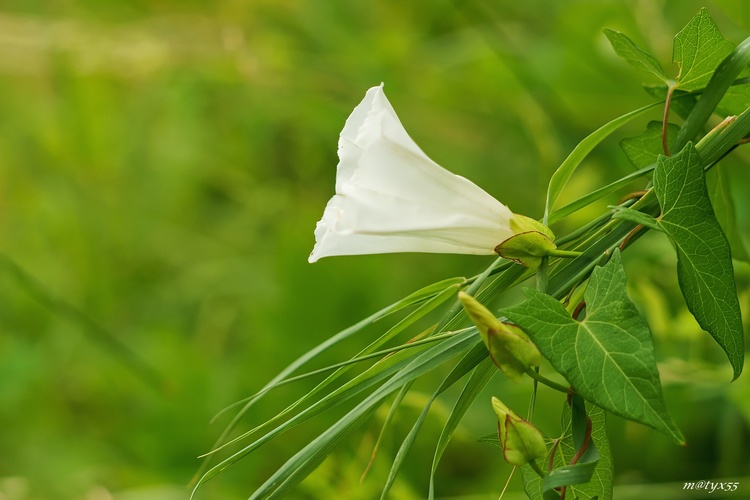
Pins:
x: 475, y: 356
x: 598, y: 194
x: 386, y: 423
x: 477, y: 381
x: 714, y: 147
x: 304, y: 461
x: 565, y: 170
x: 434, y: 295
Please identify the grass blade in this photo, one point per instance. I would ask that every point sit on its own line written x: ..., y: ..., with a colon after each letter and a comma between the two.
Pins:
x: 565, y: 170
x: 302, y: 463
x: 477, y: 381
x: 722, y: 79
x: 467, y: 363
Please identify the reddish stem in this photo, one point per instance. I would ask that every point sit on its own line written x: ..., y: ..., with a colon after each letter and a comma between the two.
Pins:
x: 585, y: 444
x: 578, y: 309
x: 627, y: 239
x: 631, y: 196
x: 551, y: 462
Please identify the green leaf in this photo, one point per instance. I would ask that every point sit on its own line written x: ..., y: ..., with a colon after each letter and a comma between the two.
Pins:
x: 735, y: 100
x: 599, y: 485
x: 724, y: 77
x: 637, y: 57
x: 643, y: 150
x: 720, y: 193
x: 698, y: 49
x: 608, y: 356
x: 704, y: 259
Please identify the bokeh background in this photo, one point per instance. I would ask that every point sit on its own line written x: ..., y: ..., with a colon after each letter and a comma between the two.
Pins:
x: 162, y: 167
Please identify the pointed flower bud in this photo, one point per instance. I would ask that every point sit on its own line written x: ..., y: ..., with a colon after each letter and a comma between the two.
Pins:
x: 521, y: 441
x: 510, y: 348
x: 531, y: 241
x: 390, y: 197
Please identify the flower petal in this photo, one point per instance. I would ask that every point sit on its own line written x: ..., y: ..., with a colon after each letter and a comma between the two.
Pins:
x: 390, y: 197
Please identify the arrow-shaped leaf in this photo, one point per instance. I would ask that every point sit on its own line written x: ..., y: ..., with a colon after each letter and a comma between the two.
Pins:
x: 643, y: 150
x: 698, y: 49
x: 607, y: 357
x: 637, y: 57
x: 704, y: 259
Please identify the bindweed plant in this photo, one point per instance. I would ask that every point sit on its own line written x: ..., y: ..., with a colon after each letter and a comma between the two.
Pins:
x: 390, y: 197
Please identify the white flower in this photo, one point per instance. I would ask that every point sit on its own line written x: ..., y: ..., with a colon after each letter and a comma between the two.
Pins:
x: 390, y: 197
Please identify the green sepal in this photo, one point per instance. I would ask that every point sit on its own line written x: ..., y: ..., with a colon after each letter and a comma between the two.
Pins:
x: 522, y: 442
x: 509, y: 347
x: 531, y: 241
x: 591, y: 476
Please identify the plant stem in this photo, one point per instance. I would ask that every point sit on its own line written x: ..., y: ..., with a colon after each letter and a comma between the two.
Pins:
x: 536, y: 468
x: 665, y: 120
x: 534, y: 373
x: 542, y: 276
x: 563, y: 253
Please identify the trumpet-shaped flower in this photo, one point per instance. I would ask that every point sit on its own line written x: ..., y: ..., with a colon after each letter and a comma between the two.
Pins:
x: 390, y: 197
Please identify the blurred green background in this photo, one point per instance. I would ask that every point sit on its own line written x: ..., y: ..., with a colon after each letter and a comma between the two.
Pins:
x: 162, y: 167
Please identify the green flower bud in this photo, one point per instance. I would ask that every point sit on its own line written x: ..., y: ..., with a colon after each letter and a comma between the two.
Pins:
x: 522, y: 442
x: 509, y: 347
x: 531, y: 241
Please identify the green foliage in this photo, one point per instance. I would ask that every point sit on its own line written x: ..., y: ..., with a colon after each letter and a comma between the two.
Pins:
x: 564, y: 172
x: 720, y: 193
x: 698, y: 49
x: 608, y: 356
x: 704, y: 259
x: 643, y: 150
x: 162, y: 168
x: 638, y: 58
x: 594, y: 465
